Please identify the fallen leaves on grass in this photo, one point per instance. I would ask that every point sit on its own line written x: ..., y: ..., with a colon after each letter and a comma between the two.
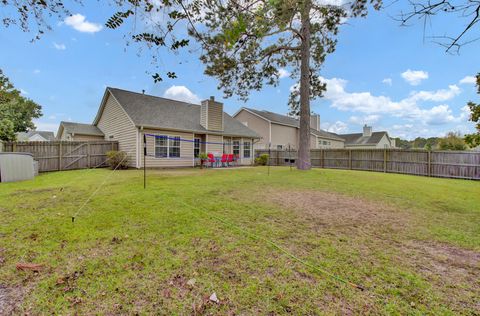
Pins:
x: 29, y: 267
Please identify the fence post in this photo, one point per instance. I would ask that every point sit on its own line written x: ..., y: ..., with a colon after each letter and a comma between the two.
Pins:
x: 1, y: 146
x: 60, y: 156
x: 14, y: 147
x: 350, y: 159
x: 323, y: 158
x: 429, y: 164
x: 385, y: 160
x: 88, y: 155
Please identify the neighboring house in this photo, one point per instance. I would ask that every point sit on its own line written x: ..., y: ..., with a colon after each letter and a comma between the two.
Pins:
x: 35, y: 136
x: 127, y: 116
x: 282, y: 131
x: 79, y: 132
x: 368, y: 139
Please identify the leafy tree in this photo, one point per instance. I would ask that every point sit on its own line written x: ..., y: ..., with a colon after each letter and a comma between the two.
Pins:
x: 452, y: 141
x: 473, y: 140
x: 246, y: 43
x: 16, y: 111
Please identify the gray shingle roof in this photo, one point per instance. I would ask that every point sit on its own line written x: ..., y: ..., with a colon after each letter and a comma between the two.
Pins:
x: 287, y: 120
x: 359, y: 139
x: 151, y: 111
x: 81, y: 128
x: 45, y: 134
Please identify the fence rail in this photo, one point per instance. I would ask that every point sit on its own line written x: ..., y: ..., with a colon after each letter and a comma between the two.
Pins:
x: 445, y: 164
x: 65, y: 155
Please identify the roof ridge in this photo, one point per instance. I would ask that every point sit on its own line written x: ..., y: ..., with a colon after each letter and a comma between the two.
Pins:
x: 152, y: 96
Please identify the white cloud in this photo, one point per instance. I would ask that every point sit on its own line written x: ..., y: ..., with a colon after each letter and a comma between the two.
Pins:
x: 59, y: 46
x: 24, y: 92
x: 45, y: 126
x: 409, y: 108
x: 414, y: 77
x: 369, y: 119
x: 338, y: 127
x: 283, y: 73
x: 387, y: 81
x: 468, y: 80
x: 181, y: 93
x: 79, y: 23
x: 437, y: 96
x: 36, y: 71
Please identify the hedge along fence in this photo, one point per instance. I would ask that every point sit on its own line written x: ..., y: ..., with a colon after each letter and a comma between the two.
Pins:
x: 445, y: 164
x: 65, y: 155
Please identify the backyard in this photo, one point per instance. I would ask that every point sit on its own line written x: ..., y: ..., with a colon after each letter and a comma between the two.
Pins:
x: 301, y: 242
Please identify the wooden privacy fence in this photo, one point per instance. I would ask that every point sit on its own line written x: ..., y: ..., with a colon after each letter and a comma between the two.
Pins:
x: 65, y: 155
x: 445, y: 164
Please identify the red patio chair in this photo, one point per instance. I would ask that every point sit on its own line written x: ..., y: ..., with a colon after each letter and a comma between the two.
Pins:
x: 211, y: 159
x: 229, y: 159
x: 224, y: 159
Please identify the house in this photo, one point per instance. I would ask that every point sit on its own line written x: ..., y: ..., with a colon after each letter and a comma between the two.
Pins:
x: 368, y: 139
x: 79, y: 132
x: 176, y: 132
x: 282, y: 131
x: 35, y: 136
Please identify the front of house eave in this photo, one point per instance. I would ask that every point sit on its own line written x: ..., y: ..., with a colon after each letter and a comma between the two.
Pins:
x: 220, y: 133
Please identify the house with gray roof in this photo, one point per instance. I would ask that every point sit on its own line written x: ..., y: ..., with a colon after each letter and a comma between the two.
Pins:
x: 368, y: 139
x: 35, y: 136
x: 281, y: 131
x: 176, y: 132
x: 72, y: 131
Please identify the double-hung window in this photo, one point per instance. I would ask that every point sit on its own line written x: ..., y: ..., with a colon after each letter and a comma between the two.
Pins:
x: 196, y: 147
x: 167, y: 147
x: 246, y: 149
x: 236, y: 148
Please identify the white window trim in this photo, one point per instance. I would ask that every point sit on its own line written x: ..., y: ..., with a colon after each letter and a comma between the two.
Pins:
x: 168, y: 146
x: 249, y: 149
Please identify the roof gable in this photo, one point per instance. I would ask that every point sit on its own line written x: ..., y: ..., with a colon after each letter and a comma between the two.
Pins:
x: 80, y: 128
x: 156, y: 112
x: 290, y: 121
x: 359, y: 139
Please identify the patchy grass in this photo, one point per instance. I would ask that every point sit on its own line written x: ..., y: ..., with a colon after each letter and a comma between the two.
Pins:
x: 412, y: 242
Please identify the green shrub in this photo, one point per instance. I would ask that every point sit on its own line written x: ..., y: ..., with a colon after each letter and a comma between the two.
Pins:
x: 117, y: 159
x: 262, y: 160
x: 203, y: 157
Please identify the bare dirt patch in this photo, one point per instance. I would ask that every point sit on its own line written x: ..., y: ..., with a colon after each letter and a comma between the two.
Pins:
x: 10, y: 299
x: 452, y: 271
x: 332, y: 210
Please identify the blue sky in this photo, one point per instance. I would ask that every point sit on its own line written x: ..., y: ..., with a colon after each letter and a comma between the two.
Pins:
x: 381, y: 74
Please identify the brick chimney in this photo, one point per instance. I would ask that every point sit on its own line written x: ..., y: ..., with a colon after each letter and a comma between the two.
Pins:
x: 315, y: 121
x: 367, y: 131
x: 211, y: 115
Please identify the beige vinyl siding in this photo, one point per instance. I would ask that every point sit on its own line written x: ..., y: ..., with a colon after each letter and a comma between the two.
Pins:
x: 215, y: 116
x: 313, y: 142
x: 214, y: 148
x: 284, y: 135
x: 186, y: 150
x: 86, y: 138
x: 243, y: 160
x: 329, y: 143
x: 257, y: 124
x: 115, y: 122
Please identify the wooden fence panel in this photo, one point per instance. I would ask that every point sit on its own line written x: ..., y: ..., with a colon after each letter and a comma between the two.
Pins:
x: 65, y: 155
x: 445, y: 164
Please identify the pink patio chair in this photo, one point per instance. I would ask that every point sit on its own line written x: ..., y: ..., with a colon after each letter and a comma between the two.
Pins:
x: 224, y: 159
x: 229, y: 159
x: 211, y: 159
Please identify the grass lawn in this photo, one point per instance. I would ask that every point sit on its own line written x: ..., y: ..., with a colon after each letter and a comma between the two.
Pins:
x: 261, y: 243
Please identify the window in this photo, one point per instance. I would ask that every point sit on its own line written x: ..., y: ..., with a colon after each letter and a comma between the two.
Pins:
x: 196, y: 147
x: 279, y: 147
x: 246, y: 150
x: 167, y: 147
x: 236, y: 148
x: 161, y: 146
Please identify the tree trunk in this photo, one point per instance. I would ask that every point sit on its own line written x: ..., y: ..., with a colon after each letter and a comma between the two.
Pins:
x: 303, y: 161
